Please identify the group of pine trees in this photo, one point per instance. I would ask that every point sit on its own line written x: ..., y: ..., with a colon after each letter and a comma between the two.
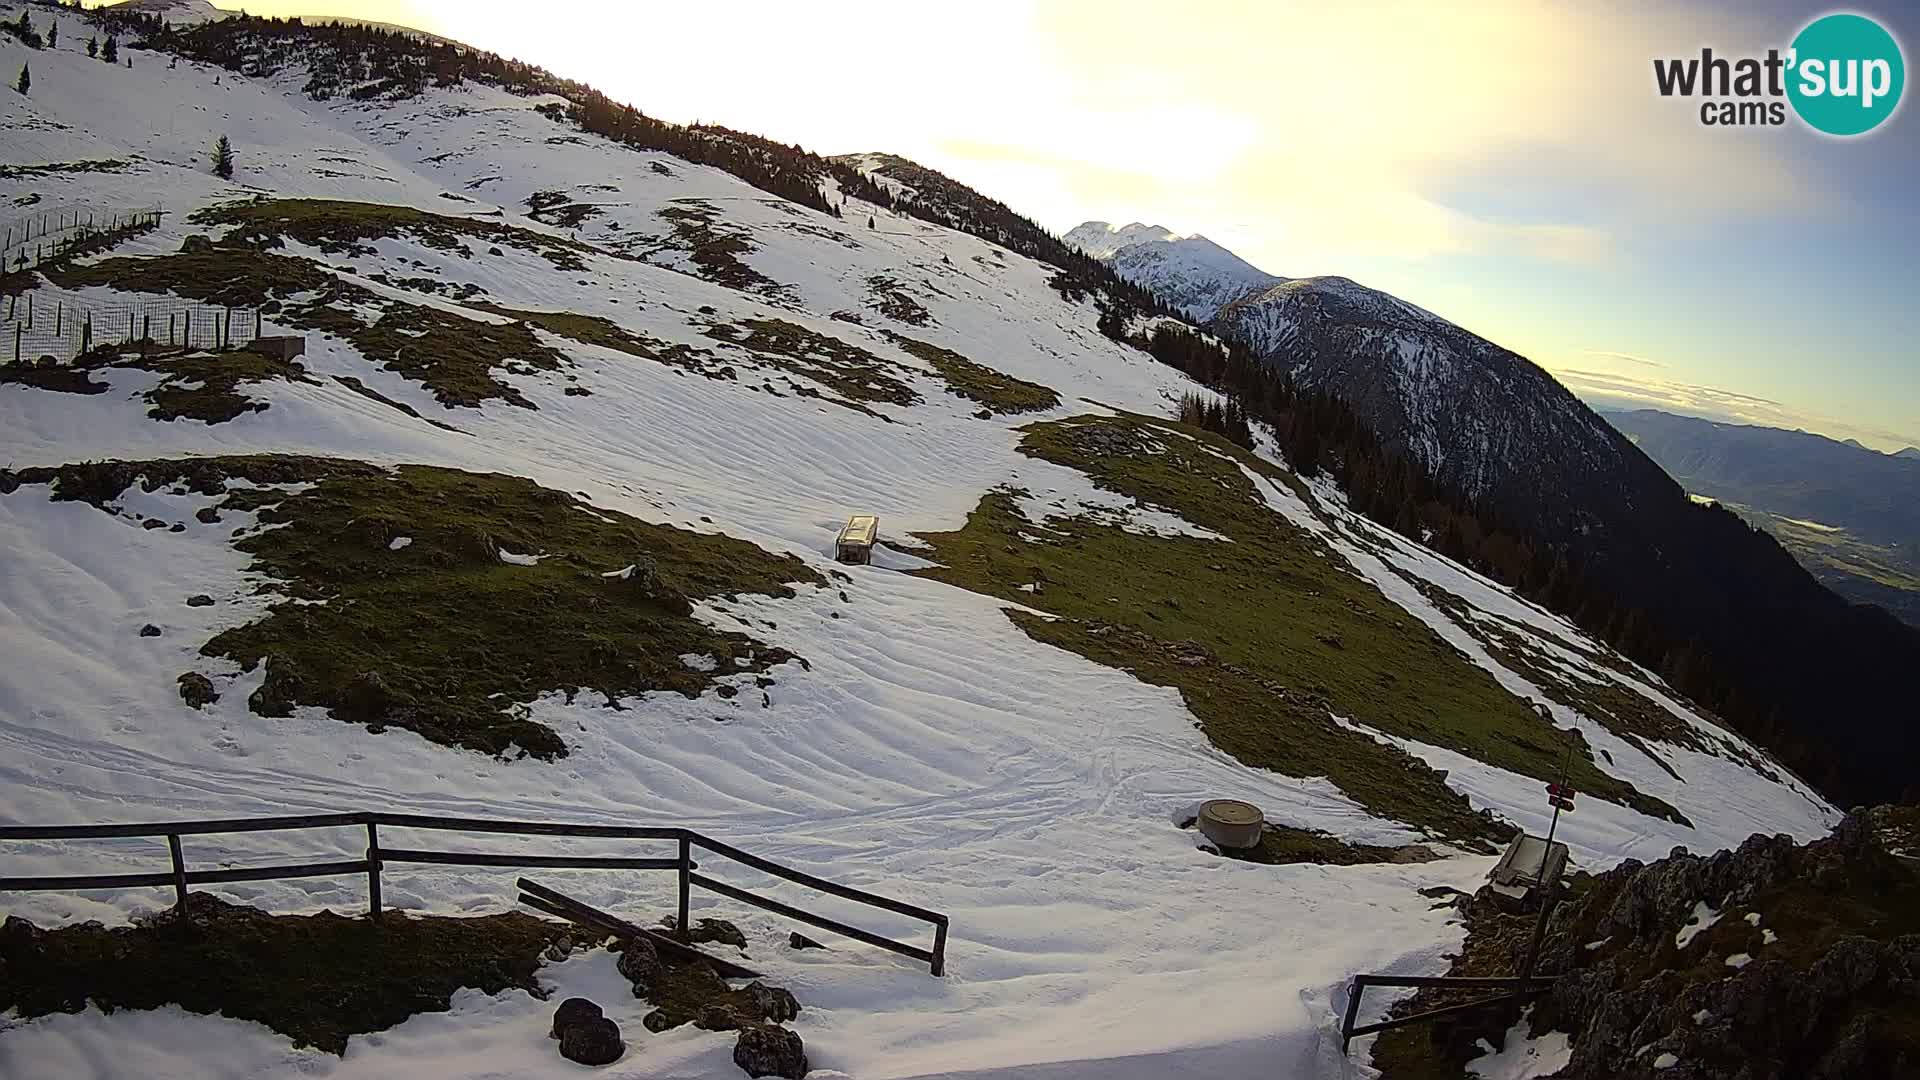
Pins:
x: 1222, y: 416
x: 1753, y: 672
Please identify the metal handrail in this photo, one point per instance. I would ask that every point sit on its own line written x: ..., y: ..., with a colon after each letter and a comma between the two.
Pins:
x: 179, y: 877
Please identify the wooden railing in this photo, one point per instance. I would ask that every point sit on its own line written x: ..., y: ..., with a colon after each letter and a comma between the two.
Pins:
x: 179, y: 877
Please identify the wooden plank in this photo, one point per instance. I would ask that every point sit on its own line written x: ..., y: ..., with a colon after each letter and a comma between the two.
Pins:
x: 85, y: 882
x: 619, y: 927
x: 1435, y: 1014
x: 824, y: 923
x: 491, y: 858
x: 1506, y: 982
x: 179, y: 874
x: 179, y: 828
x: 525, y: 828
x: 820, y: 884
x: 276, y: 873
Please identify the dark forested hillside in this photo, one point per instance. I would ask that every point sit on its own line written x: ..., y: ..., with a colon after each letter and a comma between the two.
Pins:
x: 1715, y: 605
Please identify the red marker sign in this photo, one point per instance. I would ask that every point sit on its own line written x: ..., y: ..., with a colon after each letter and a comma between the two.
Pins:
x: 1560, y: 803
x: 1561, y: 791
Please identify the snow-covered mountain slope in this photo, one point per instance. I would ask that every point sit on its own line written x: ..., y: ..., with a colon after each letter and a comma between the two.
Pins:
x: 1464, y: 408
x: 1194, y: 275
x: 1714, y: 604
x: 488, y: 289
x: 1103, y: 239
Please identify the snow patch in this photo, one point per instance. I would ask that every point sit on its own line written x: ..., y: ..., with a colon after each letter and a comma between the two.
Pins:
x: 1703, y: 917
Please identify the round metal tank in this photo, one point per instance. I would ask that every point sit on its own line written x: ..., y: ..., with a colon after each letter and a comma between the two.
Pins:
x: 1231, y: 823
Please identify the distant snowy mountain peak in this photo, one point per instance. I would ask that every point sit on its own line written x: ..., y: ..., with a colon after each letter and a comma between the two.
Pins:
x: 1196, y: 276
x: 1101, y: 239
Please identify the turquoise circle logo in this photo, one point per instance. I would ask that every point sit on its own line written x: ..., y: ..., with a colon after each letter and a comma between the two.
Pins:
x: 1847, y: 74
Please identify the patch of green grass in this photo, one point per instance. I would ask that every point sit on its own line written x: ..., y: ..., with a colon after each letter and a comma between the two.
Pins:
x: 888, y: 297
x: 1264, y: 636
x: 206, y: 386
x: 342, y: 227
x: 59, y: 378
x: 442, y: 637
x: 998, y: 393
x: 558, y: 208
x: 228, y: 275
x: 1633, y: 718
x: 456, y: 358
x: 856, y: 377
x: 716, y: 246
x: 197, y: 385
x: 596, y: 330
x: 317, y: 979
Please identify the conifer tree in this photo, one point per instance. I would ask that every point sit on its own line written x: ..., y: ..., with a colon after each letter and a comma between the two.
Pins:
x: 25, y: 82
x: 93, y: 46
x: 110, y: 52
x: 53, y: 35
x: 223, y: 158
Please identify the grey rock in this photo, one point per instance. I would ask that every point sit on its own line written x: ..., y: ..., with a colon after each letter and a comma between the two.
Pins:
x: 639, y: 964
x: 592, y: 1042
x: 770, y: 1050
x: 197, y: 690
x: 574, y: 1010
x: 772, y: 1002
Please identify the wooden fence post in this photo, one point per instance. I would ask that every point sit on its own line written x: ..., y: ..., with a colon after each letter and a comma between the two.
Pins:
x: 86, y: 334
x: 939, y: 948
x: 16, y: 343
x: 29, y: 311
x: 373, y: 869
x: 226, y: 331
x: 256, y: 324
x: 169, y: 329
x: 680, y: 927
x: 58, y: 312
x: 179, y: 873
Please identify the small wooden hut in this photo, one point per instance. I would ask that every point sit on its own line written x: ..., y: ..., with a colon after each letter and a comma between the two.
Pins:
x: 855, y: 544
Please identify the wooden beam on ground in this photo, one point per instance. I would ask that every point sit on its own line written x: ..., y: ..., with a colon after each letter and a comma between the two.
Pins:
x: 559, y: 903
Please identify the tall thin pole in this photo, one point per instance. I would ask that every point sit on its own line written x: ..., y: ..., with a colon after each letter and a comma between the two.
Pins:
x: 1550, y: 889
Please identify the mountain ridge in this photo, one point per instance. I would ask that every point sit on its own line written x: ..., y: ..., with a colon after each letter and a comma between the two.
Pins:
x: 1556, y: 501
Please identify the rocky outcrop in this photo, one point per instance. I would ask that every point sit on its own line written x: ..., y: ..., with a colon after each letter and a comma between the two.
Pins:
x: 1810, y: 967
x: 1775, y: 961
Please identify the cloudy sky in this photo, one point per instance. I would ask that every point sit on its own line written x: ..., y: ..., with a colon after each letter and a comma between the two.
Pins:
x: 1508, y: 166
